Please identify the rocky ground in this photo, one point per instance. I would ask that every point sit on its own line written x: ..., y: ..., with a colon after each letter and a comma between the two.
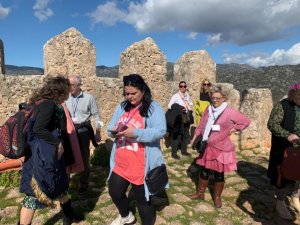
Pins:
x: 247, y: 199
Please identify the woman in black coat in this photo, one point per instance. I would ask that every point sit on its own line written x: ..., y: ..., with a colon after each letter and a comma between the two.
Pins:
x: 44, y: 176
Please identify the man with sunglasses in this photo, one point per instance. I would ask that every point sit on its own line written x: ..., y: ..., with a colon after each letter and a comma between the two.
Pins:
x: 82, y: 106
x: 180, y: 132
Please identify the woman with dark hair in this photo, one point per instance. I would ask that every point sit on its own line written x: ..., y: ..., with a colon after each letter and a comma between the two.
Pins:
x: 180, y: 108
x: 137, y: 125
x: 284, y: 124
x: 44, y: 176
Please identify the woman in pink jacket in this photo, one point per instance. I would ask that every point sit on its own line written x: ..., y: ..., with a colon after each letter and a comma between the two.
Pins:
x: 215, y: 127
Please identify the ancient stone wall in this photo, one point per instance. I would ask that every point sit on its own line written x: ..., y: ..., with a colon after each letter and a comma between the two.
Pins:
x: 71, y: 53
x: 257, y: 105
x: 145, y: 58
x: 193, y: 67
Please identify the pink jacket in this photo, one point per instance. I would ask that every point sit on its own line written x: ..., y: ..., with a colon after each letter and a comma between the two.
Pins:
x: 220, y: 149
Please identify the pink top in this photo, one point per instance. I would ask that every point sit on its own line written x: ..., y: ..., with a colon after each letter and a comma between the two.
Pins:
x: 130, y: 154
x: 220, y: 152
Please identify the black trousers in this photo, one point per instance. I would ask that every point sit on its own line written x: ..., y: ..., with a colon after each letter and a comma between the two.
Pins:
x: 180, y: 138
x: 117, y: 190
x: 84, y: 143
x: 204, y: 174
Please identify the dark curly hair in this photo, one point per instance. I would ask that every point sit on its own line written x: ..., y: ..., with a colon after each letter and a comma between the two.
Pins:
x: 136, y: 80
x: 54, y: 88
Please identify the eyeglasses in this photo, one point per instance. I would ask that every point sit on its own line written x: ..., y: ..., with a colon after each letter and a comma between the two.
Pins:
x: 182, y: 86
x: 75, y: 85
x: 216, y: 98
x: 206, y: 84
x: 132, y: 79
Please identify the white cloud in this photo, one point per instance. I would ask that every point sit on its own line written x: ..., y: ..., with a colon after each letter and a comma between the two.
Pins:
x: 41, y: 10
x: 107, y: 14
x: 4, y: 11
x: 290, y: 56
x: 234, y: 58
x: 214, y: 39
x: 240, y: 21
x: 193, y: 35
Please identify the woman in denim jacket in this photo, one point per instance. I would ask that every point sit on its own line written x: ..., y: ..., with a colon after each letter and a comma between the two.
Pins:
x: 138, y: 124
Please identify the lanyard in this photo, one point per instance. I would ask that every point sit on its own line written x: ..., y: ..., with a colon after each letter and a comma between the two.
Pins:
x: 128, y: 118
x: 74, y: 105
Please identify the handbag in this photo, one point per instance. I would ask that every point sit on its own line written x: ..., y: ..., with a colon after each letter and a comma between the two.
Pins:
x: 157, y: 179
x: 200, y: 144
x: 290, y: 167
x: 201, y: 147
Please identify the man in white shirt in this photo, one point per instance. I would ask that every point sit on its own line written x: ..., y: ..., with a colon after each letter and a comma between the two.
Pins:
x: 82, y: 106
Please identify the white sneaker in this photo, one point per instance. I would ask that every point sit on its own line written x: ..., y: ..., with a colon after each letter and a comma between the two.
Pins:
x: 296, y: 203
x: 282, y: 210
x: 130, y: 219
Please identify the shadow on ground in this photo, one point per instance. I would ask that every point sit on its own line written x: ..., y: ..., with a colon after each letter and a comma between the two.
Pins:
x: 258, y: 199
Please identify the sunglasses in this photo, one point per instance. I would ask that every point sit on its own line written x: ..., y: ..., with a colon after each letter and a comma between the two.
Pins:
x: 206, y: 84
x: 182, y: 86
x: 216, y: 98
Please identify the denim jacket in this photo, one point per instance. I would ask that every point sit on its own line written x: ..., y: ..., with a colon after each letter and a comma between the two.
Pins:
x: 155, y: 129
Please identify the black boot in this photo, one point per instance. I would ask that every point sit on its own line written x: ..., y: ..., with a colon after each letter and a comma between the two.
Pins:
x: 69, y: 215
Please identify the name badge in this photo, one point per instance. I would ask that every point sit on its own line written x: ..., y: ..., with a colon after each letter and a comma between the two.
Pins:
x: 215, y: 127
x: 74, y: 119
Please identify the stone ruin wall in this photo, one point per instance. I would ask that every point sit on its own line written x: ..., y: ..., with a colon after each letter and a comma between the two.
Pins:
x: 71, y: 53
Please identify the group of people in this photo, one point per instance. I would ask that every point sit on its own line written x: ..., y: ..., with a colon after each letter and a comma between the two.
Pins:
x: 137, y: 126
x: 182, y: 113
x: 60, y: 125
x: 216, y: 123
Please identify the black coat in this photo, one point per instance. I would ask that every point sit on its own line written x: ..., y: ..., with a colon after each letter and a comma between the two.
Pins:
x: 278, y: 144
x: 174, y: 118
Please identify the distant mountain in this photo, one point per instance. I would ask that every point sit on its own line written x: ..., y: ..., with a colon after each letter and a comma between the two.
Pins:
x: 242, y: 76
x: 275, y: 78
x: 104, y: 71
x: 23, y: 70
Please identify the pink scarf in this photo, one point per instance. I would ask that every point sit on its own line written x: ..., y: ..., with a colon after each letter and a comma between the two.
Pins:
x: 78, y: 163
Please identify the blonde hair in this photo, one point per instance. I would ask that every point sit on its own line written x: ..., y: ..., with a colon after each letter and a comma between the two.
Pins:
x: 218, y: 88
x: 203, y: 81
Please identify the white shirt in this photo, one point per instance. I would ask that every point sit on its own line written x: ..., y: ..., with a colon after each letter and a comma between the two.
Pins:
x: 177, y: 98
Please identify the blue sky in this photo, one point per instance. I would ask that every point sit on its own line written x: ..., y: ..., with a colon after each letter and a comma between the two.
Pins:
x: 256, y: 32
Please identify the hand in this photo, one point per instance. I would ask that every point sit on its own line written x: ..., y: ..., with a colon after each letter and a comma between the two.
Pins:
x: 293, y: 138
x: 232, y: 131
x: 97, y: 136
x: 60, y: 150
x: 192, y: 142
x: 129, y: 133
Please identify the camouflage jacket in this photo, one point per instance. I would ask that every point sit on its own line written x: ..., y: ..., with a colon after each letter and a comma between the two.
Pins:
x: 275, y: 119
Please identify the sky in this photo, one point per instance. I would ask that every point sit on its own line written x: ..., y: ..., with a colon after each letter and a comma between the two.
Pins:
x: 254, y: 32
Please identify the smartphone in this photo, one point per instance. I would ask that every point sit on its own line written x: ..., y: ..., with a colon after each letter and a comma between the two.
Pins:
x: 121, y: 127
x: 113, y: 132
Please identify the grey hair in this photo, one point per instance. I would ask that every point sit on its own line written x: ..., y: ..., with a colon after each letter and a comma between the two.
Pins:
x: 218, y: 88
x: 76, y: 78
